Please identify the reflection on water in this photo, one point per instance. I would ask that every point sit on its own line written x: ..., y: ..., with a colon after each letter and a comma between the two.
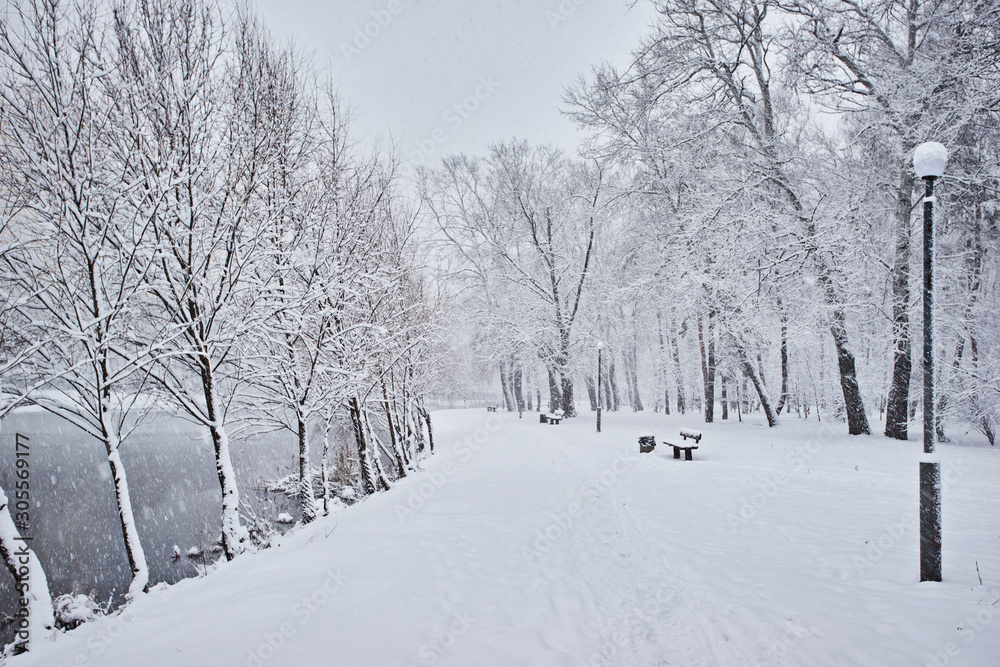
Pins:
x: 175, y: 497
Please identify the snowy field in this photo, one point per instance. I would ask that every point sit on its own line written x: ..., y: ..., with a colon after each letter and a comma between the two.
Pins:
x: 529, y: 544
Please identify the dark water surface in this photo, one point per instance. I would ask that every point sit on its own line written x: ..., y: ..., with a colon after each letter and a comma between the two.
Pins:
x: 175, y: 498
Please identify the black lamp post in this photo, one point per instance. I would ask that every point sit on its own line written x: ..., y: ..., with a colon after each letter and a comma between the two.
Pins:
x: 928, y: 161
x: 600, y: 346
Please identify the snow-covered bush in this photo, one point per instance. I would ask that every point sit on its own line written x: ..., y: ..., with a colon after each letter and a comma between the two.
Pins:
x: 289, y: 486
x: 74, y: 610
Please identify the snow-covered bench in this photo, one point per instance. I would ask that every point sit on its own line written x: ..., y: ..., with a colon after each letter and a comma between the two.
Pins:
x: 491, y: 408
x: 690, y: 433
x: 685, y: 433
x: 678, y: 448
x: 552, y: 417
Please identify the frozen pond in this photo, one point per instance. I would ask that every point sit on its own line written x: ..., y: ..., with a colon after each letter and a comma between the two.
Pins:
x: 175, y: 496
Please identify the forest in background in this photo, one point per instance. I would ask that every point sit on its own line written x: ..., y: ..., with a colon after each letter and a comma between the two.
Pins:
x: 741, y: 228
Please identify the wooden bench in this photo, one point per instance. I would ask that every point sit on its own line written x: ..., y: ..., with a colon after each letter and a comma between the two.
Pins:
x: 552, y: 418
x: 491, y: 408
x: 678, y: 448
x: 689, y: 433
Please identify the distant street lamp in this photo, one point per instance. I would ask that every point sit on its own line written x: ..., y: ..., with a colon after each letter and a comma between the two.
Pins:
x: 600, y: 346
x: 928, y: 161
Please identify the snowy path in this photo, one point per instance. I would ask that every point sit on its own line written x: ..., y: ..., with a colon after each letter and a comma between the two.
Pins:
x: 528, y: 544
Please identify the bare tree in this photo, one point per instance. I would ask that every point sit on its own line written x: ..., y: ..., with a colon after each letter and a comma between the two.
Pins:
x: 83, y: 279
x: 701, y: 85
x: 873, y: 61
x: 525, y: 220
x: 199, y: 142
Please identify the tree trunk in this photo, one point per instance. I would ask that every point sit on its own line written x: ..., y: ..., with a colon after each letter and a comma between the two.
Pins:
x: 415, y: 438
x: 612, y: 399
x: 627, y: 373
x: 724, y: 396
x: 710, y: 385
x: 555, y: 394
x: 707, y: 349
x: 14, y: 551
x: 399, y: 454
x: 430, y: 430
x: 591, y: 392
x: 307, y: 501
x: 784, y: 366
x: 987, y: 427
x: 415, y: 426
x: 130, y: 532
x: 324, y: 470
x: 633, y: 377
x: 758, y: 384
x: 678, y: 371
x: 566, y: 380
x: 857, y: 420
x: 896, y: 419
x: 703, y: 357
x: 235, y: 537
x: 518, y: 389
x: 508, y: 398
x: 664, y: 363
x: 375, y: 450
x: 369, y: 479
x: 897, y: 402
x: 739, y: 403
x: 568, y: 406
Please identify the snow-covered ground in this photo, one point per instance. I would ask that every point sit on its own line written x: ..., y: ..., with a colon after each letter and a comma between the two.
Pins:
x: 529, y: 544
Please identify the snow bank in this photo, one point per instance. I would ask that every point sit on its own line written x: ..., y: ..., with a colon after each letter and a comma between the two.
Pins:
x: 526, y: 545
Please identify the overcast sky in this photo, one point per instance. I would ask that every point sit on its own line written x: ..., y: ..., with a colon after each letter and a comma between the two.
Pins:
x: 436, y: 77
